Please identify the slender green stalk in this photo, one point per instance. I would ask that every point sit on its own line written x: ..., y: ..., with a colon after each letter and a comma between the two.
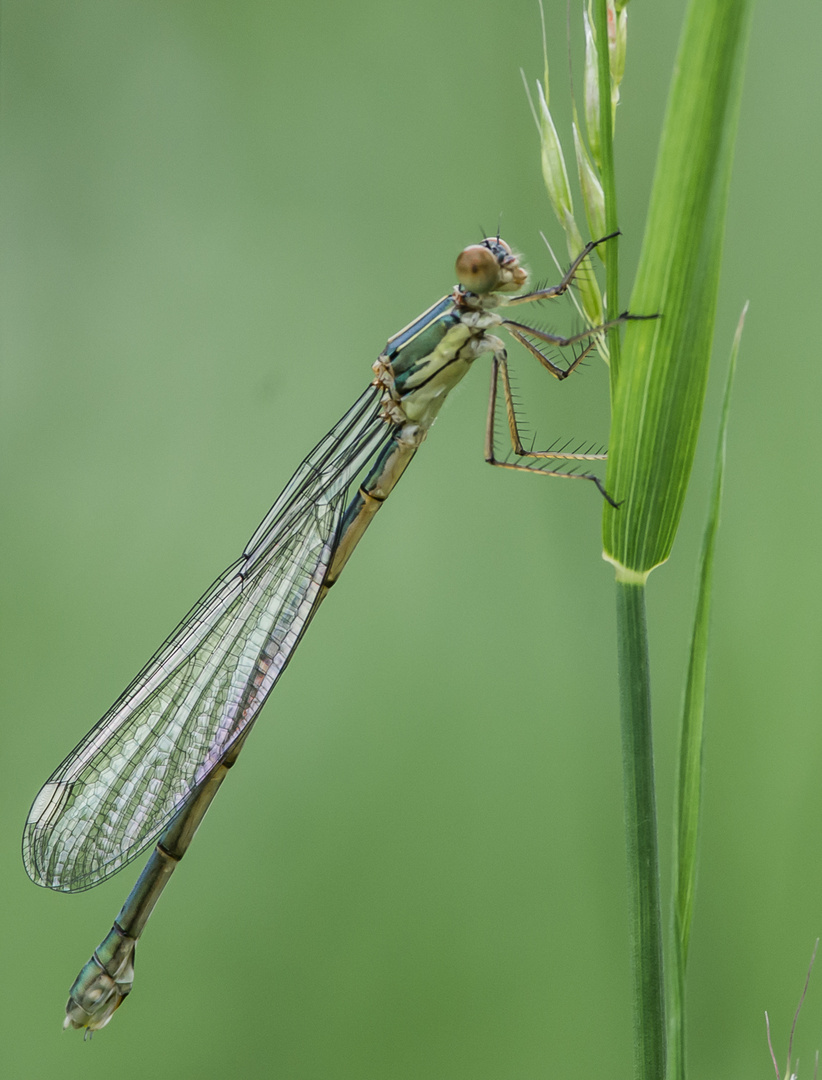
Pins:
x: 689, y: 785
x: 641, y: 833
x: 606, y: 149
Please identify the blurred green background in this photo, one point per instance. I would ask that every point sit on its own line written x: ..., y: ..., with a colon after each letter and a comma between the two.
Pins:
x: 214, y: 215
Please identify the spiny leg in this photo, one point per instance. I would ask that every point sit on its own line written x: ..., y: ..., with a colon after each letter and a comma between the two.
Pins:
x: 499, y: 371
x: 568, y: 277
x: 518, y: 329
x: 549, y: 365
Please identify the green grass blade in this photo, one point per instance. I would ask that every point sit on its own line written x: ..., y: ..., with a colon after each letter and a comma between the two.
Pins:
x: 658, y: 395
x: 689, y: 787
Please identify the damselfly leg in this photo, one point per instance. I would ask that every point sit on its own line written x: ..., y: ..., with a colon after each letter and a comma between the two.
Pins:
x: 499, y: 374
x: 567, y: 278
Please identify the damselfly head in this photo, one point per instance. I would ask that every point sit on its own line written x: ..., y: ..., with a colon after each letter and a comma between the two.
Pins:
x: 490, y: 267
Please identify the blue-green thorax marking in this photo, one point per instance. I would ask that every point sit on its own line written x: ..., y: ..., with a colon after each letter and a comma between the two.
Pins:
x: 424, y: 361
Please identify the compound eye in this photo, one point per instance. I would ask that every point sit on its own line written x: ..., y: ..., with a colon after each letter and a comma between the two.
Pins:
x: 477, y: 269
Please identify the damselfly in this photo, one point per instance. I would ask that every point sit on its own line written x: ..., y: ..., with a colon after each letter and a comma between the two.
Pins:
x: 154, y: 762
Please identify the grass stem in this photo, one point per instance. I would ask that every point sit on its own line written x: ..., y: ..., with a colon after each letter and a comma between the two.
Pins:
x: 641, y: 833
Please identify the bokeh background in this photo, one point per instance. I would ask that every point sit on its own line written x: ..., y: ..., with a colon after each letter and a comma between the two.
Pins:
x: 213, y: 216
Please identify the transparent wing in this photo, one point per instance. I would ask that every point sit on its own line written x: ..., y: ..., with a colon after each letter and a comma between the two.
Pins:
x: 203, y: 688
